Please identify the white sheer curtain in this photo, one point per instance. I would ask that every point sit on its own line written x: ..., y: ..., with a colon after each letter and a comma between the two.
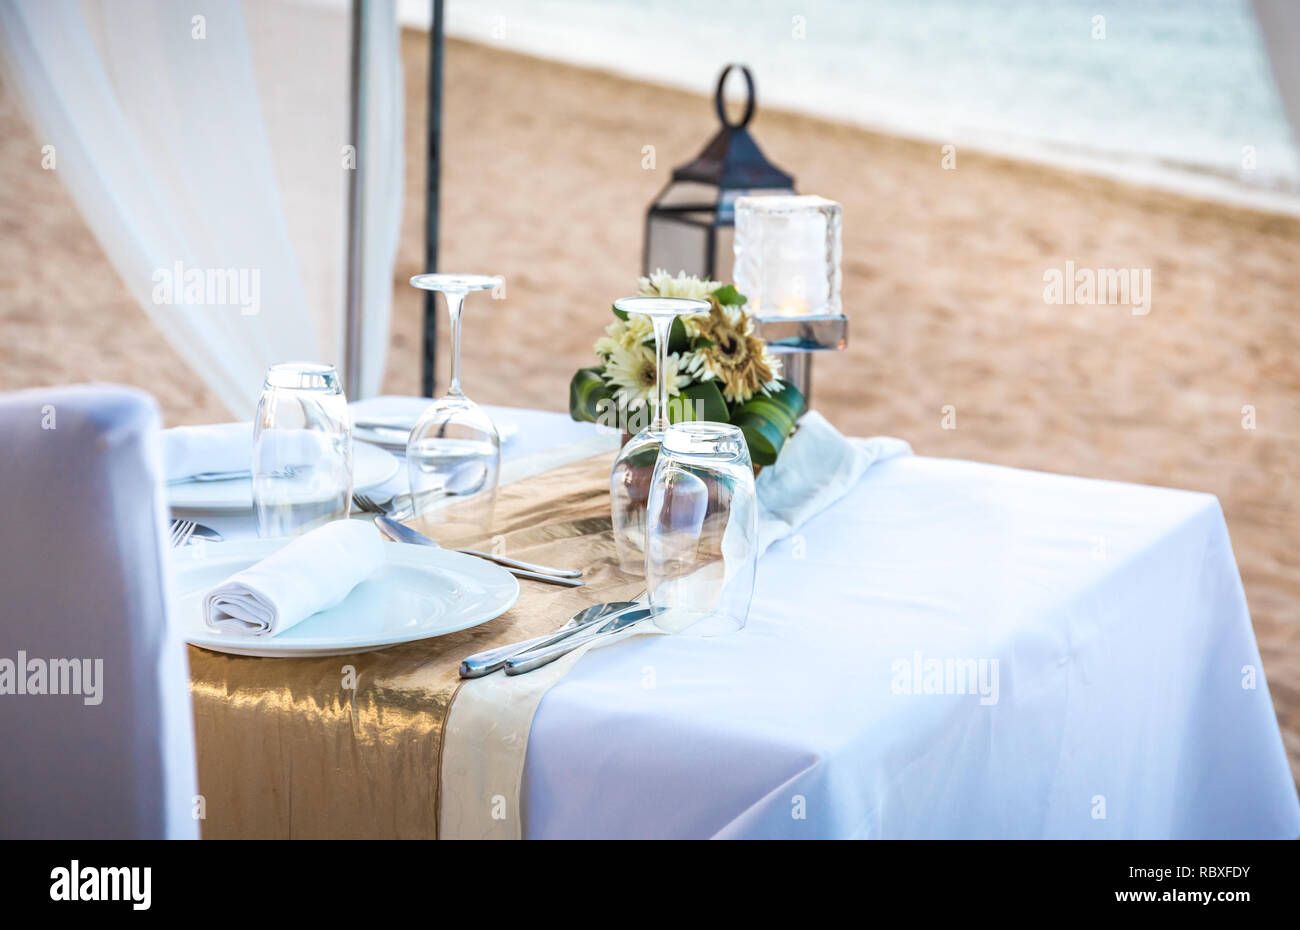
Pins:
x: 1279, y: 22
x: 206, y: 147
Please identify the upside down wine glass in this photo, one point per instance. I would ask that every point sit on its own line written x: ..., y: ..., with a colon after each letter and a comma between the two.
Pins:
x: 302, y: 450
x: 453, y: 455
x: 702, y: 532
x: 629, y: 479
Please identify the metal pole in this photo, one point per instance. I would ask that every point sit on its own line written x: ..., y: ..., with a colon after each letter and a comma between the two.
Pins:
x: 356, y: 212
x: 796, y: 367
x: 433, y: 169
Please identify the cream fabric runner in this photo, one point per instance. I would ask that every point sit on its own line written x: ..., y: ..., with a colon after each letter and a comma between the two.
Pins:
x: 485, y: 738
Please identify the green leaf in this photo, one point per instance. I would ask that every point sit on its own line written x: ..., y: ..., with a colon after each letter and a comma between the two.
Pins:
x: 699, y: 401
x: 678, y: 341
x: 699, y: 342
x: 768, y: 421
x: 621, y: 314
x: 728, y: 296
x: 586, y: 391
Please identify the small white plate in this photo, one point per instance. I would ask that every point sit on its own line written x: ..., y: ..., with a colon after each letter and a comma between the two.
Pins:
x: 371, y: 467
x: 418, y: 592
x: 391, y: 432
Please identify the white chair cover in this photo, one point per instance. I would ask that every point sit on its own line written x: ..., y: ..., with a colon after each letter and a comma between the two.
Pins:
x: 82, y: 577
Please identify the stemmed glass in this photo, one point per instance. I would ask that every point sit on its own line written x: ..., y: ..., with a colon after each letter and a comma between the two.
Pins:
x: 453, y: 455
x: 629, y: 479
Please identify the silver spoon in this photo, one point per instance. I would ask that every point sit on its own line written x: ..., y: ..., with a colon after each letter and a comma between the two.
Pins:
x: 484, y: 663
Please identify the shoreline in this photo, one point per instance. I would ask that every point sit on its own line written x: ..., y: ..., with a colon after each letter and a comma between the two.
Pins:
x: 1195, y: 182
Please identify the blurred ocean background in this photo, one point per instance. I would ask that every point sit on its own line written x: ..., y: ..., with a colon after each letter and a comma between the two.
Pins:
x: 1177, y: 93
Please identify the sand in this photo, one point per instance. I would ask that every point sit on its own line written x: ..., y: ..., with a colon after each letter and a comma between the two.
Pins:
x: 943, y: 280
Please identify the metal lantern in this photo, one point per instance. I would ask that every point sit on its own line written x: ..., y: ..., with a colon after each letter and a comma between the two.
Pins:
x: 690, y: 226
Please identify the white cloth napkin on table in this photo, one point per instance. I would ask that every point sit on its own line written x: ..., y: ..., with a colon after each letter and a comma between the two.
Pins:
x: 486, y: 734
x: 816, y: 467
x: 197, y: 450
x: 310, y: 574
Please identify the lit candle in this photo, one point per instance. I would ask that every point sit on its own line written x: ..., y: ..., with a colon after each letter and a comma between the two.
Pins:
x: 788, y: 255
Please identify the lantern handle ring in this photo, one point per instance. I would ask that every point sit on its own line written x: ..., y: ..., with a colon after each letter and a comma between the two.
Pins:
x: 721, y: 105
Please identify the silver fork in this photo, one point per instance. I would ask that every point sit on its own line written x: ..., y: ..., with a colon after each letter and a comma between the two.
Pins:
x: 181, y: 531
x: 369, y: 505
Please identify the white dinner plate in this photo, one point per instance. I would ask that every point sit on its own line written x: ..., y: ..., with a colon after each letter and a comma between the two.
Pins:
x: 371, y: 467
x: 391, y: 432
x: 418, y: 592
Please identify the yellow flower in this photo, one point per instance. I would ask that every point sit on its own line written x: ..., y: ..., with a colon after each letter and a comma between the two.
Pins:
x: 737, y: 358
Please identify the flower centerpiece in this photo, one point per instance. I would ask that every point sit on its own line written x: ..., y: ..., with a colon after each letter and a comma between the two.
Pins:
x: 718, y: 368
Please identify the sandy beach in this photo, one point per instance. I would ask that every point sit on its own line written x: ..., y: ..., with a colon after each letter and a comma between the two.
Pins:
x: 943, y: 280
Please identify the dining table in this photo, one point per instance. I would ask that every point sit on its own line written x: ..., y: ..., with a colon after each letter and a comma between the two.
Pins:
x: 952, y: 649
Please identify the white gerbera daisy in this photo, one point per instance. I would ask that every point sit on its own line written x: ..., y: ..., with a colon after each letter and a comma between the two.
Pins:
x: 633, y: 332
x: 632, y: 371
x: 662, y: 284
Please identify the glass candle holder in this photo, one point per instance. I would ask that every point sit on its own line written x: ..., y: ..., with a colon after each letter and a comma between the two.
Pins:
x: 788, y: 253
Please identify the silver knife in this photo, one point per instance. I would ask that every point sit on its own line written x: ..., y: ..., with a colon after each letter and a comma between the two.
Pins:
x: 487, y: 662
x: 403, y: 533
x: 536, y: 658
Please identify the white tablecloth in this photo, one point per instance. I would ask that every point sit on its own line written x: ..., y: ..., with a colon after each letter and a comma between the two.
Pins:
x: 1130, y: 698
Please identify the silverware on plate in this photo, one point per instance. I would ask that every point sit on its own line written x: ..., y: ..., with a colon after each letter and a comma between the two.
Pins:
x: 368, y: 504
x: 536, y: 657
x: 403, y: 426
x: 182, y: 532
x: 289, y: 471
x: 488, y: 661
x: 399, y: 532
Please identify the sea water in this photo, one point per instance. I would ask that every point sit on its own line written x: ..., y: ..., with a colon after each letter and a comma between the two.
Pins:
x: 1172, y: 92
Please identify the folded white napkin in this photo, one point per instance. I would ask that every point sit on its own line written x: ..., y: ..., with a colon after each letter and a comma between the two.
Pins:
x: 310, y: 574
x: 197, y: 450
x: 816, y: 467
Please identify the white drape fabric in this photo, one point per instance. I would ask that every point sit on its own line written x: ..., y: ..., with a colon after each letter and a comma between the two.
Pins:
x: 95, y: 719
x: 208, y: 150
x: 1279, y: 22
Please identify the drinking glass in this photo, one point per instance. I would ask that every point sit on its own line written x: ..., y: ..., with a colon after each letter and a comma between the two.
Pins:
x: 302, y: 450
x: 629, y: 479
x: 702, y: 530
x: 453, y: 455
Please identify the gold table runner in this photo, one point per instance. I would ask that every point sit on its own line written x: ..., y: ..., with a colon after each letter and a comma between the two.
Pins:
x: 348, y: 746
